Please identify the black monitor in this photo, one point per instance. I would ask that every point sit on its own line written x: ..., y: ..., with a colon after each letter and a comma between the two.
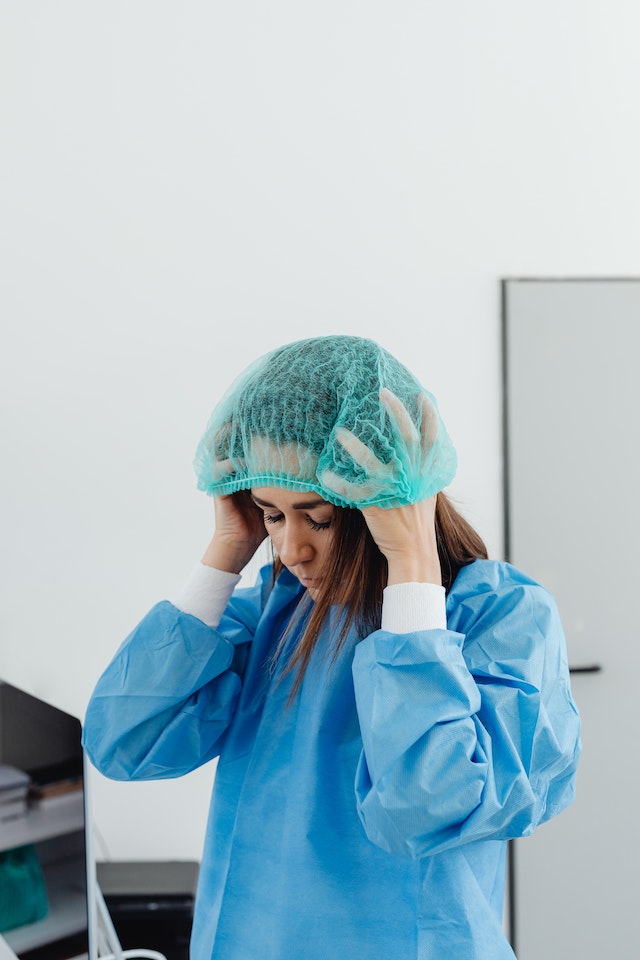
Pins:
x: 43, y: 829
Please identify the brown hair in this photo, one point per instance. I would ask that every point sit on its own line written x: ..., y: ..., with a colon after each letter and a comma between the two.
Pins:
x: 360, y: 570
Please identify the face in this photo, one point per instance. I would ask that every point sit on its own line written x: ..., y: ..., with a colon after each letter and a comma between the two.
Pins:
x: 299, y: 525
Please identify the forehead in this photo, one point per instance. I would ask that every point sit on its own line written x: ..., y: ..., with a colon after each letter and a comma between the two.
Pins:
x: 288, y: 499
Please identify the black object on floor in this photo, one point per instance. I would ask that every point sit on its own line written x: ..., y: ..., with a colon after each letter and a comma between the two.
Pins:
x: 151, y: 903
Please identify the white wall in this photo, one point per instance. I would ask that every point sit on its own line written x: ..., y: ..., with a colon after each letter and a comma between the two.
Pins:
x: 185, y: 186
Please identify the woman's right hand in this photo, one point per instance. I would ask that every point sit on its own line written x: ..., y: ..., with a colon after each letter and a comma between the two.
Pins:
x: 239, y: 531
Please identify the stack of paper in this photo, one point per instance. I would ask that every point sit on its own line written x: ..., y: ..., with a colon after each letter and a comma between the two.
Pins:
x: 14, y: 788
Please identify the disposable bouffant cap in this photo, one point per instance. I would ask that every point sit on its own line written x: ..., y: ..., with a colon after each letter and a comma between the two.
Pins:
x: 338, y: 415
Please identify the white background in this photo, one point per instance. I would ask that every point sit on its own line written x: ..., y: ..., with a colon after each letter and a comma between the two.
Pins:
x: 187, y: 185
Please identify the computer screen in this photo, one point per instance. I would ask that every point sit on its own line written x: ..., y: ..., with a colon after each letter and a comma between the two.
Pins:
x: 45, y: 872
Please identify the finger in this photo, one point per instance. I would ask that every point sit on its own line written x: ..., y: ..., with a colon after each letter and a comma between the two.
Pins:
x: 219, y: 443
x: 222, y: 468
x: 352, y: 492
x: 428, y: 424
x: 397, y: 410
x: 361, y: 453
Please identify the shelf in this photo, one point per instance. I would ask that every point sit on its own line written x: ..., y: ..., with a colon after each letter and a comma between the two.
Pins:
x: 49, y: 818
x: 67, y: 913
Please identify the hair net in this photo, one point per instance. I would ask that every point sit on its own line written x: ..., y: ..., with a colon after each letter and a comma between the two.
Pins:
x: 338, y: 415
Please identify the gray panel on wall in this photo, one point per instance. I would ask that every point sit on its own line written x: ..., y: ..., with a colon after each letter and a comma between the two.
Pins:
x: 572, y: 396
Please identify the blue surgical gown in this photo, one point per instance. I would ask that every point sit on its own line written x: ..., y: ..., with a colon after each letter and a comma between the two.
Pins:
x: 367, y: 819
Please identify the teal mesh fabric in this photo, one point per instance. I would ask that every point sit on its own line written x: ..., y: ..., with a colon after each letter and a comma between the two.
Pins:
x: 338, y: 415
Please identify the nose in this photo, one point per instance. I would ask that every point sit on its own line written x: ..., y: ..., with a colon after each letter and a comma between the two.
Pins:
x: 294, y: 547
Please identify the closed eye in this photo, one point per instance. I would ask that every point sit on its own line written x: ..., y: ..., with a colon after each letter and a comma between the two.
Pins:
x: 317, y: 526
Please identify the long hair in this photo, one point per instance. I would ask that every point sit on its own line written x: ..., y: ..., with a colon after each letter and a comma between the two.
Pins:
x: 357, y: 575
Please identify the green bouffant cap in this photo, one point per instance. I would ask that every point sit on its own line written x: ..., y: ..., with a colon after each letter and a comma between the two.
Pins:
x: 338, y: 415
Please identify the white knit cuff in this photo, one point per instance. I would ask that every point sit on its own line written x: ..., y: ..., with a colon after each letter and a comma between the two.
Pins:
x: 408, y: 607
x: 206, y: 593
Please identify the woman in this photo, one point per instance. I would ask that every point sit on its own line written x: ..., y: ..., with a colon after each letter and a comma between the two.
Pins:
x: 388, y: 705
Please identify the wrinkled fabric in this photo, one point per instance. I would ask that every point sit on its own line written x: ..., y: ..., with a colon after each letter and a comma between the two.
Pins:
x: 336, y: 415
x: 368, y: 819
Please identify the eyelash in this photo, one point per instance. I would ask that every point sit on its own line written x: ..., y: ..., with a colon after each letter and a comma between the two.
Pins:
x: 312, y: 523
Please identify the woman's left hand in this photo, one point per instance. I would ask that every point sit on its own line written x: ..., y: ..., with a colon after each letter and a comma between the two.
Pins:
x: 406, y: 536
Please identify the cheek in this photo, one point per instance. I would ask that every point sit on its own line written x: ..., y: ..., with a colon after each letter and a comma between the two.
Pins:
x: 326, y: 548
x: 274, y: 533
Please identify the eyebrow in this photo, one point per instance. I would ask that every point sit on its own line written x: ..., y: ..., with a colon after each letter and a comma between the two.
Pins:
x: 306, y: 505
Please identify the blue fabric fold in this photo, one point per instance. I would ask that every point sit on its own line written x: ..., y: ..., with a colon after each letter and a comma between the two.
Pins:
x: 369, y: 817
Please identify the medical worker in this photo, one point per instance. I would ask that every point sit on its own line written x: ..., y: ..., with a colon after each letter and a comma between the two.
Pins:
x: 389, y: 706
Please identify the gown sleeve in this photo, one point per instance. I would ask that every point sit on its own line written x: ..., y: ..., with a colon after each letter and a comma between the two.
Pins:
x: 164, y: 703
x: 471, y: 732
